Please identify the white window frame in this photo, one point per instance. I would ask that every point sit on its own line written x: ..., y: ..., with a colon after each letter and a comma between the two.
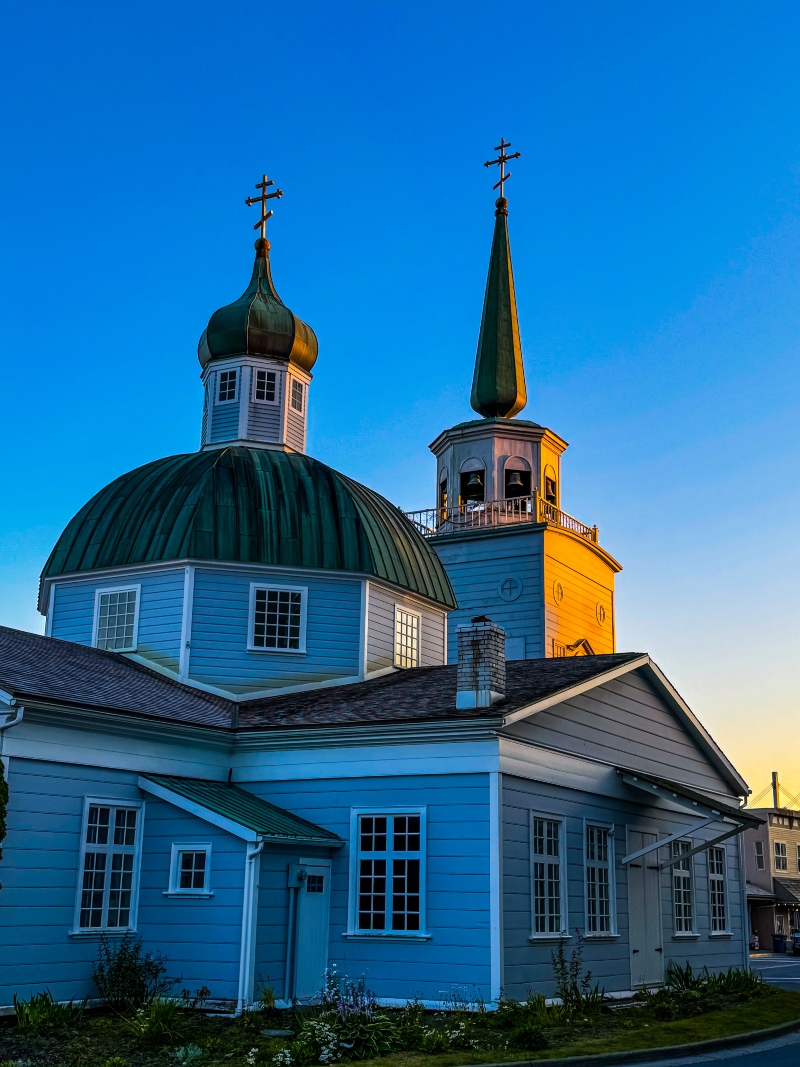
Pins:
x: 612, y: 880
x: 179, y: 847
x: 266, y: 370
x: 415, y: 615
x: 218, y: 382
x: 135, y: 588
x: 108, y: 802
x: 776, y: 845
x: 550, y: 935
x: 692, y: 889
x: 723, y: 878
x: 297, y: 381
x: 356, y: 855
x: 251, y: 619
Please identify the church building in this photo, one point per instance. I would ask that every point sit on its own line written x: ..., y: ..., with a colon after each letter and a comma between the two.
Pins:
x: 276, y: 725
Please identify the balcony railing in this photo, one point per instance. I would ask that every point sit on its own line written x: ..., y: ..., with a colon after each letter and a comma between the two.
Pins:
x: 477, y: 514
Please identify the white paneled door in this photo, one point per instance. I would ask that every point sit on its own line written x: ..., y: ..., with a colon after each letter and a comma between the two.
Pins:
x: 313, y: 916
x: 644, y: 913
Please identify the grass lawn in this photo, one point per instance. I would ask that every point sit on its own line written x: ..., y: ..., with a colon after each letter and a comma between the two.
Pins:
x: 227, y: 1042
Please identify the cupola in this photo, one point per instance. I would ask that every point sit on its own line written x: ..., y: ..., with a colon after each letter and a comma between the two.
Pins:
x: 257, y: 357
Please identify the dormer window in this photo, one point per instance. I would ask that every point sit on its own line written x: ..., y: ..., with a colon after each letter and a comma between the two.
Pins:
x: 264, y: 386
x: 116, y: 619
x: 227, y: 386
x: 298, y: 395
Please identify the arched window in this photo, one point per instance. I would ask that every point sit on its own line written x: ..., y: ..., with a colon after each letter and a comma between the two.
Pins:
x: 550, y: 485
x: 517, y: 477
x: 472, y: 482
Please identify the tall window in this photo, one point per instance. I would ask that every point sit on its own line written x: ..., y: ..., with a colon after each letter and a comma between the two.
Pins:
x: 109, y: 868
x: 781, y: 863
x: 546, y: 875
x: 682, y: 896
x: 389, y: 891
x: 798, y: 857
x: 298, y: 395
x: 264, y: 386
x: 716, y: 890
x: 406, y: 638
x: 227, y: 385
x: 599, y: 874
x: 116, y: 613
x: 278, y: 619
x: 759, y: 848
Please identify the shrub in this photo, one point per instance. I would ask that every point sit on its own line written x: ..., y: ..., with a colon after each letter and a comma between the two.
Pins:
x: 434, y: 1041
x: 317, y: 1042
x: 158, y: 1023
x: 409, y: 1025
x: 41, y: 1012
x: 186, y: 1054
x: 364, y: 1036
x: 196, y: 999
x: 529, y: 1035
x: 574, y: 987
x: 127, y: 978
x: 115, y: 1061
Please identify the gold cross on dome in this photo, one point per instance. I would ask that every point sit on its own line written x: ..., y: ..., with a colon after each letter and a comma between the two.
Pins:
x: 263, y: 185
x: 502, y: 159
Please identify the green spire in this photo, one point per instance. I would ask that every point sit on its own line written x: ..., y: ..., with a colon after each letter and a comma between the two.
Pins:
x: 498, y: 385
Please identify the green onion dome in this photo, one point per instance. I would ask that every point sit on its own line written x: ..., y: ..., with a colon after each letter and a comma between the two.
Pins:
x: 249, y: 505
x: 258, y: 324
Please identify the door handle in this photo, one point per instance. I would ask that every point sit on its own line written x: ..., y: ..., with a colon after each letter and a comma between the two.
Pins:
x: 634, y: 865
x: 659, y: 950
x: 634, y: 950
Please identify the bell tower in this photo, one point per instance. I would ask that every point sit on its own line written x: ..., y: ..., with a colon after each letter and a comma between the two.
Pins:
x: 509, y: 549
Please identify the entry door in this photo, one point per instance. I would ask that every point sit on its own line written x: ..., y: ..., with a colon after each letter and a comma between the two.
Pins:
x: 644, y: 913
x: 311, y: 942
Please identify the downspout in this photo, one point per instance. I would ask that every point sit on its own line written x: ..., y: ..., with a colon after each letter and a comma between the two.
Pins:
x: 14, y: 721
x: 745, y: 923
x: 249, y: 911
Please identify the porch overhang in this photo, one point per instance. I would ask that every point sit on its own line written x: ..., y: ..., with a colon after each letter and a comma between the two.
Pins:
x: 708, y: 809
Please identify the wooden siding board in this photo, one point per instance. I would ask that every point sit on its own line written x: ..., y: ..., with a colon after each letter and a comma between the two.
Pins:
x: 380, y: 629
x: 225, y: 422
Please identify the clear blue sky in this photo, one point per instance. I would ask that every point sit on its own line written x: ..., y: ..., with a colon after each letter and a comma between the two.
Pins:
x: 655, y: 230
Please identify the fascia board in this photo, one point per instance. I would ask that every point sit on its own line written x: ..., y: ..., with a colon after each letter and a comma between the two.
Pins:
x: 234, y: 828
x: 576, y: 690
x: 286, y: 737
x: 719, y: 758
x: 129, y: 724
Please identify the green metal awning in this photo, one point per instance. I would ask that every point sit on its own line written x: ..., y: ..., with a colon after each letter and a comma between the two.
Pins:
x: 237, y: 811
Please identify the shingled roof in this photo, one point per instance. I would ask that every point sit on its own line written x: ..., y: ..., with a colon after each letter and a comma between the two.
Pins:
x: 52, y: 671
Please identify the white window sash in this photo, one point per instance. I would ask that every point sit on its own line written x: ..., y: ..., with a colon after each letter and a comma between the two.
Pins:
x: 218, y: 385
x: 562, y: 872
x: 356, y: 856
x: 718, y: 883
x: 106, y: 802
x: 137, y: 588
x: 400, y: 610
x: 612, y: 880
x: 259, y: 586
x: 276, y: 399
x: 685, y: 877
x: 179, y: 847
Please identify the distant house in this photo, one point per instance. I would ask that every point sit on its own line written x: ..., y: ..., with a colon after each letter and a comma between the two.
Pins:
x: 276, y: 725
x: 772, y: 852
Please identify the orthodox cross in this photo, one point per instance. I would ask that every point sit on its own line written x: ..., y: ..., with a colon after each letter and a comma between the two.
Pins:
x: 263, y: 185
x: 502, y: 159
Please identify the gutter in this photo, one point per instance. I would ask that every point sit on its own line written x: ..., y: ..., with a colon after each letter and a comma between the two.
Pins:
x: 13, y: 720
x: 249, y: 909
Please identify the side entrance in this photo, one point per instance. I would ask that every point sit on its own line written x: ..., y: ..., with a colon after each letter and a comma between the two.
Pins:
x: 644, y: 913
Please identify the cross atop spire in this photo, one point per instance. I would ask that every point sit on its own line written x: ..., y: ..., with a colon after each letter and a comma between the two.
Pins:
x: 501, y: 161
x: 263, y: 185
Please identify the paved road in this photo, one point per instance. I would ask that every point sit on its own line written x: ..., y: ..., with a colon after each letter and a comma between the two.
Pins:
x: 783, y: 971
x: 784, y: 1052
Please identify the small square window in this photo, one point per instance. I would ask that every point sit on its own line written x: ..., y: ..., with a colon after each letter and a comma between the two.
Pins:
x: 265, y: 386
x: 278, y: 621
x: 227, y: 385
x: 190, y: 868
x: 298, y: 395
x: 315, y: 883
x: 116, y: 613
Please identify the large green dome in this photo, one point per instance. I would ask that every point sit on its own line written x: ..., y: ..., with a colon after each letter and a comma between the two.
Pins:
x: 249, y: 505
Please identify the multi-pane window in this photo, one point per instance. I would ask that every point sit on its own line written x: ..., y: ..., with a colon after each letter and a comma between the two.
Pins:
x: 759, y: 849
x: 599, y: 872
x: 298, y: 395
x: 406, y: 639
x: 781, y: 861
x: 116, y: 620
x: 278, y: 619
x: 192, y: 867
x: 546, y: 875
x: 315, y: 883
x: 264, y: 385
x: 798, y: 857
x: 682, y: 895
x: 109, y: 867
x: 389, y: 895
x: 716, y: 890
x: 227, y: 385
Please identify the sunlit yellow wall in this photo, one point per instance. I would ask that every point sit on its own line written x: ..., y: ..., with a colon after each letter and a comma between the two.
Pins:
x: 578, y: 593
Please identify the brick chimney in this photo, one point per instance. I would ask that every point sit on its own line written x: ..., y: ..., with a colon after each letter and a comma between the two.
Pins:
x: 481, y: 664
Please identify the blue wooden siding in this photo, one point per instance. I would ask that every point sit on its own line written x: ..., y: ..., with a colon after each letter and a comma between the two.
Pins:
x: 172, y: 923
x: 225, y: 421
x: 219, y: 654
x: 458, y: 918
x: 477, y: 564
x: 528, y: 965
x: 264, y: 420
x: 160, y: 612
